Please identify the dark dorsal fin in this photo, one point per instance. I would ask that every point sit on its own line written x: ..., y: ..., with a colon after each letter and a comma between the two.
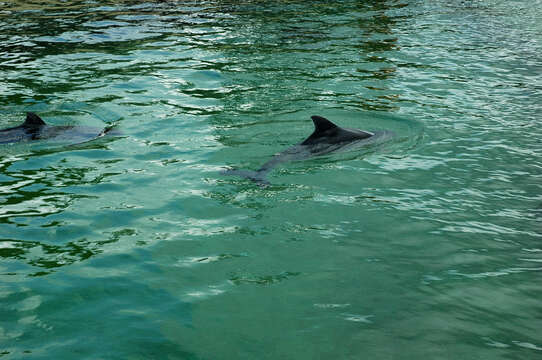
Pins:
x: 33, y: 120
x: 321, y: 124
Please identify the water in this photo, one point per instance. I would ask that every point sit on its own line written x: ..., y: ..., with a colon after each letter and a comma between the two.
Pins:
x: 135, y: 246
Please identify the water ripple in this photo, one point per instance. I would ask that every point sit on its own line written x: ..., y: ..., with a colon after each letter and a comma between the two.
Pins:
x: 435, y: 233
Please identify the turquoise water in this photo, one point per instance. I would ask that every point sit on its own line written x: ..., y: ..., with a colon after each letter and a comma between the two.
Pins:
x: 136, y: 246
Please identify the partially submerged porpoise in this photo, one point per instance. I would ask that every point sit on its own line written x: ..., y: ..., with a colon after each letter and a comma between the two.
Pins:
x: 327, y: 137
x: 34, y: 128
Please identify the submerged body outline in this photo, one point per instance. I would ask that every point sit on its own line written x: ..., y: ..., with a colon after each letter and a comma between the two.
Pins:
x: 327, y: 137
x: 34, y: 128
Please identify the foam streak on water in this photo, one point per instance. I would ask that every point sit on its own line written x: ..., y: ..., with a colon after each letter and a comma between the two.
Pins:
x: 137, y: 246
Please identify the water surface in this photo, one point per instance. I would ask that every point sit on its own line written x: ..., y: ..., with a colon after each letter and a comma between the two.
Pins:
x: 135, y: 246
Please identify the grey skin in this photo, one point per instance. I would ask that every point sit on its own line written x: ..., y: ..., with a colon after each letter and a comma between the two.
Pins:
x: 327, y: 137
x: 34, y: 128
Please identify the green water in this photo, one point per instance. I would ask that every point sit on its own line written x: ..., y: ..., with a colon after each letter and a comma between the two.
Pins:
x: 135, y: 246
